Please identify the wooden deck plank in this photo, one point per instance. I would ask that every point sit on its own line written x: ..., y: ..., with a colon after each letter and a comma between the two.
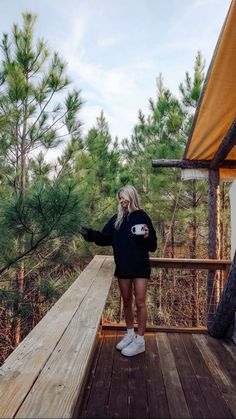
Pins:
x: 209, y: 349
x: 118, y: 398
x: 176, y: 400
x: 178, y: 353
x: 56, y: 390
x: 192, y: 390
x: 230, y: 347
x: 226, y: 359
x: 97, y: 401
x: 213, y: 397
x: 157, y: 400
x: 83, y: 401
x: 137, y: 390
x: 23, y: 366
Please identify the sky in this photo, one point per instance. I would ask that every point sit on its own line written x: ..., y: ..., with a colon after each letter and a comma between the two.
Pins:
x: 116, y: 49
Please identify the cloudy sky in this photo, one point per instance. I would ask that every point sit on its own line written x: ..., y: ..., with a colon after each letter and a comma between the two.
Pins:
x: 115, y: 49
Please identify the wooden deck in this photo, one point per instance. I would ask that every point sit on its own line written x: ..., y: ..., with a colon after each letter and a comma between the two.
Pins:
x: 67, y: 367
x: 181, y: 375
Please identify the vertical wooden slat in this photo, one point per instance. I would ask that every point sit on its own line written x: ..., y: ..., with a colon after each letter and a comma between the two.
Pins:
x: 191, y: 387
x: 118, y: 398
x: 138, y: 400
x: 220, y: 375
x: 213, y: 397
x: 174, y: 392
x: 157, y: 400
x: 97, y: 399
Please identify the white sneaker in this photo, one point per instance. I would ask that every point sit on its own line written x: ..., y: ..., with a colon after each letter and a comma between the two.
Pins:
x: 134, y: 348
x: 127, y: 339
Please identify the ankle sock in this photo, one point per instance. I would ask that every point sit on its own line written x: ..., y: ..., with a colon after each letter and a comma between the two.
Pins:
x: 140, y: 339
x: 130, y: 332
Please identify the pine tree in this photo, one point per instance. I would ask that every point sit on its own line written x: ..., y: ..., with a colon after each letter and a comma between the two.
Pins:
x: 32, y: 118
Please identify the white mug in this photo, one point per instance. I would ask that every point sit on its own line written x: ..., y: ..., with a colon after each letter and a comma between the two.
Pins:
x: 138, y: 229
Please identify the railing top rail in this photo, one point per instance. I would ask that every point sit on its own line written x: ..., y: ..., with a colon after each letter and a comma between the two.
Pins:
x: 184, y: 263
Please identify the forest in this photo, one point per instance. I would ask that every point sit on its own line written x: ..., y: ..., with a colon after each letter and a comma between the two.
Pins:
x: 43, y: 204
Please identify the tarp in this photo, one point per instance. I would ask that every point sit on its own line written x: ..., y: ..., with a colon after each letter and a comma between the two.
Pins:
x: 217, y: 106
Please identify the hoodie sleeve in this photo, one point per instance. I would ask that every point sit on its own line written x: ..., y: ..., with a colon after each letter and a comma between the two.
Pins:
x: 152, y: 237
x: 104, y: 237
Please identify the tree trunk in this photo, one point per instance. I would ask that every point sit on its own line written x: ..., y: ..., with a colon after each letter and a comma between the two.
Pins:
x: 17, y: 314
x: 172, y: 237
x: 226, y: 309
x: 17, y: 328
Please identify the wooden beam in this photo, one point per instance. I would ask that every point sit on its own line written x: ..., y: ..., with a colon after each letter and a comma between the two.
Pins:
x: 226, y: 146
x: 192, y: 164
x: 153, y: 328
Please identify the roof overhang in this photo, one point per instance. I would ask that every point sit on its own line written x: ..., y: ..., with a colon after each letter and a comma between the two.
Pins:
x: 213, y: 133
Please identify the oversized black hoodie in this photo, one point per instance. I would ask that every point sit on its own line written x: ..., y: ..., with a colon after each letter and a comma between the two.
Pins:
x: 130, y: 251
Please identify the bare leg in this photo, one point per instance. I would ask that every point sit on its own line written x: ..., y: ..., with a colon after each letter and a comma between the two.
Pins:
x: 140, y: 289
x: 126, y: 293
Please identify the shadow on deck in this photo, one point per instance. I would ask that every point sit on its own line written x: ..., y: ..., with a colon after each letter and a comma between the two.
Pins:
x: 181, y: 375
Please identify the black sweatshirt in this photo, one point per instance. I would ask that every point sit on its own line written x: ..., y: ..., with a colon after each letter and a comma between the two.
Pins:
x: 130, y: 250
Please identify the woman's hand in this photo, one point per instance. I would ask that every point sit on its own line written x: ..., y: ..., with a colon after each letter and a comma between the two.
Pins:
x: 83, y: 230
x: 87, y: 233
x: 146, y: 231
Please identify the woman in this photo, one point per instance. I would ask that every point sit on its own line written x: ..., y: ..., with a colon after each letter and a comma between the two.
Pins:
x: 131, y: 260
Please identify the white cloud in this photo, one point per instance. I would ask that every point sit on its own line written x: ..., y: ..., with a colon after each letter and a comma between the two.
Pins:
x: 115, y: 51
x: 122, y: 86
x: 106, y: 42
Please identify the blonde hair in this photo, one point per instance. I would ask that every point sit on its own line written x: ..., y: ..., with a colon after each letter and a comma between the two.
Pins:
x: 131, y: 195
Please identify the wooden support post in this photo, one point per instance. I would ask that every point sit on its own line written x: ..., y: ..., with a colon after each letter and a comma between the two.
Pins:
x: 224, y: 316
x: 214, y: 245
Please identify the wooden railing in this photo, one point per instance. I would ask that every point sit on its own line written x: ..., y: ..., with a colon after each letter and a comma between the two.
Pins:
x: 176, y: 294
x: 209, y: 264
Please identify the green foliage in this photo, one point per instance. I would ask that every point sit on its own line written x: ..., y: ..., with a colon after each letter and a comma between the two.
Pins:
x: 48, y: 211
x: 191, y: 88
x: 48, y: 289
x: 38, y: 208
x: 30, y: 115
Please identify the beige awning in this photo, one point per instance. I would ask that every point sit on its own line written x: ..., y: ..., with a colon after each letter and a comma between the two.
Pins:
x: 217, y: 105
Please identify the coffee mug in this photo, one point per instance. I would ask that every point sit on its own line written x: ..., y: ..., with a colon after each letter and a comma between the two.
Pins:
x: 138, y: 229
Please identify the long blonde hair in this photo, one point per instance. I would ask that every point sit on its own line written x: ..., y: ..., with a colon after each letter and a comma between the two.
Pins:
x: 131, y: 195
